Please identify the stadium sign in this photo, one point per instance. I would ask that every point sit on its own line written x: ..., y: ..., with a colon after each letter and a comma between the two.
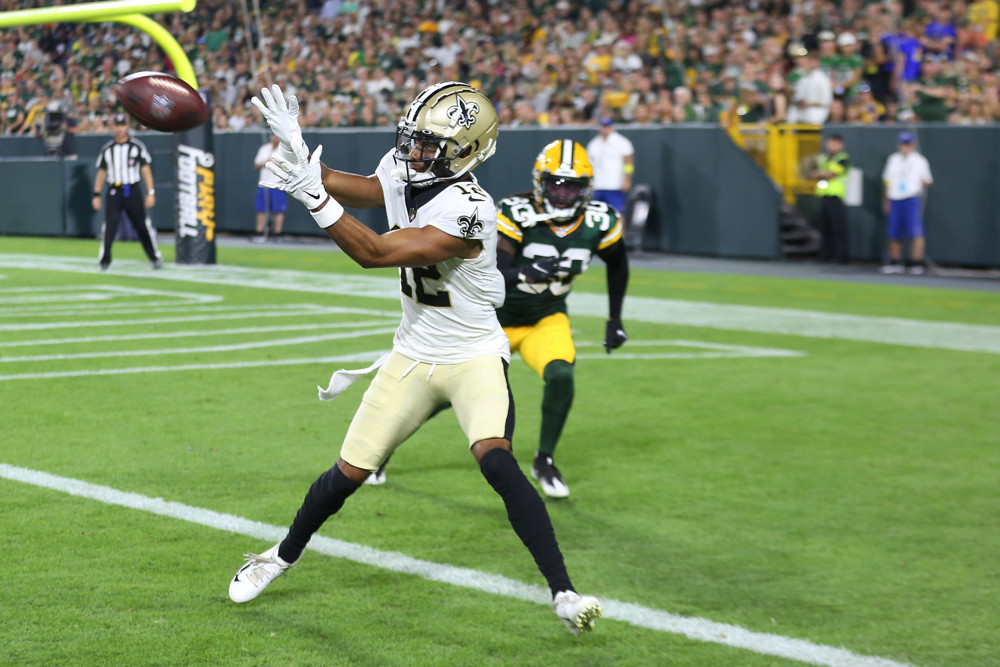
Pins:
x: 195, y: 236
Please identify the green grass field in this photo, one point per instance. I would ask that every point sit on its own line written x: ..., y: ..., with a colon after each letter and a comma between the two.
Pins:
x: 761, y: 454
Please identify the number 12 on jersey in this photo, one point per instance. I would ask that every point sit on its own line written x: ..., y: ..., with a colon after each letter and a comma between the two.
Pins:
x: 416, y: 276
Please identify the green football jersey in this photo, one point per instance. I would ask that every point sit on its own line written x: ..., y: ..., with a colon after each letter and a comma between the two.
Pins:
x: 599, y: 227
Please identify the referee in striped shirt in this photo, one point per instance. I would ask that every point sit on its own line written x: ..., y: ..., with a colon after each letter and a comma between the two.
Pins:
x: 121, y: 163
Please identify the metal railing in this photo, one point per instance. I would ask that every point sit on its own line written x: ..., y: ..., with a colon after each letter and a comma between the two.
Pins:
x: 786, y: 152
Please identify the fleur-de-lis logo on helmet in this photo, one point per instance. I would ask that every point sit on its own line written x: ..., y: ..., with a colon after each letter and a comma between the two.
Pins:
x: 470, y: 225
x: 464, y: 113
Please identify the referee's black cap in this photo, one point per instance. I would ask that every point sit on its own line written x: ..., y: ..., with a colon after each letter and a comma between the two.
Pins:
x: 119, y: 119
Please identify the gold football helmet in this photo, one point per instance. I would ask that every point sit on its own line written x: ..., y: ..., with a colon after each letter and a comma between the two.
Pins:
x: 449, y: 129
x: 562, y: 177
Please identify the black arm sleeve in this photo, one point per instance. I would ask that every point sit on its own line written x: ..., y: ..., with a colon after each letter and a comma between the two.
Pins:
x: 504, y: 261
x: 617, y: 260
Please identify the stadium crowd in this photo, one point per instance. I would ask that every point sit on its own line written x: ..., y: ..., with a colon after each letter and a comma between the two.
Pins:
x: 356, y: 63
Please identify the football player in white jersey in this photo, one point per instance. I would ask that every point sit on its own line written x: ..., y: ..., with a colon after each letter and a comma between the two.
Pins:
x: 449, y: 346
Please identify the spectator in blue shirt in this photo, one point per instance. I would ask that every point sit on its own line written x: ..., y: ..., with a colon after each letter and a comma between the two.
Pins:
x: 905, y: 51
x: 939, y: 36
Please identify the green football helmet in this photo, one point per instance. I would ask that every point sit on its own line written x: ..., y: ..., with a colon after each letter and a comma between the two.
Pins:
x: 562, y: 180
x: 449, y: 129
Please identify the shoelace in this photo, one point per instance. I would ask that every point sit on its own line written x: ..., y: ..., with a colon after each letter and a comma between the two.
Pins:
x: 256, y: 574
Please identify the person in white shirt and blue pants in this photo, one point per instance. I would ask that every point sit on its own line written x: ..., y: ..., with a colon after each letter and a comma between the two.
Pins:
x: 906, y: 176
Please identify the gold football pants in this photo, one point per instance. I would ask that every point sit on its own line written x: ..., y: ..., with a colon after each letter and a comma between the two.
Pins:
x: 405, y: 392
x: 549, y: 339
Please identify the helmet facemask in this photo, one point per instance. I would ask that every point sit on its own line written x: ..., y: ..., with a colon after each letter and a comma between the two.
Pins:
x: 563, y: 197
x: 422, y: 156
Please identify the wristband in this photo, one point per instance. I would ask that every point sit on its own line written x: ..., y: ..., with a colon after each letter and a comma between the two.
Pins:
x: 97, y: 194
x: 151, y: 191
x: 328, y: 213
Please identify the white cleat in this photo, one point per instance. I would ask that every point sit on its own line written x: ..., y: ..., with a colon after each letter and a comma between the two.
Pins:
x: 578, y: 612
x: 258, y: 572
x: 376, y: 478
x: 549, y: 477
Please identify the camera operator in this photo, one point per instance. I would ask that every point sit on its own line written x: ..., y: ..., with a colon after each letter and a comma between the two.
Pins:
x: 57, y: 130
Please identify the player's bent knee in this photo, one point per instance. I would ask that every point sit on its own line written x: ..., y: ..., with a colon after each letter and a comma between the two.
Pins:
x: 560, y: 373
x: 481, y: 448
x: 351, y: 472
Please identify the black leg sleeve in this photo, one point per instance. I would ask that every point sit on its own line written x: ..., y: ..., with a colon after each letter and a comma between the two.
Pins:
x: 325, y: 498
x: 527, y: 514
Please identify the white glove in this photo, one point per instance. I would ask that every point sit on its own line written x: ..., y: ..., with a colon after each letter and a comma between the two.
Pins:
x: 283, y: 119
x: 304, y: 181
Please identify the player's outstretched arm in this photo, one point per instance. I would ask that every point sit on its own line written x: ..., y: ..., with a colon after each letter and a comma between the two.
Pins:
x: 353, y: 190
x: 414, y: 247
x: 402, y: 247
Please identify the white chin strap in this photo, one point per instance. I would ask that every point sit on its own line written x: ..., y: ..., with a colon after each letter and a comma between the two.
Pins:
x: 420, y: 176
x: 399, y: 174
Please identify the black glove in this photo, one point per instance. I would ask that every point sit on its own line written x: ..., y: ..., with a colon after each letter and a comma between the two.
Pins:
x: 614, y: 335
x: 540, y: 271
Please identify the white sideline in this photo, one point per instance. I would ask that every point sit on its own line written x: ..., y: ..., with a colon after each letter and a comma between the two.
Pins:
x: 645, y: 617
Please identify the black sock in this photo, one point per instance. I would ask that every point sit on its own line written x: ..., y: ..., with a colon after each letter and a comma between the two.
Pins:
x: 528, y: 516
x: 325, y: 498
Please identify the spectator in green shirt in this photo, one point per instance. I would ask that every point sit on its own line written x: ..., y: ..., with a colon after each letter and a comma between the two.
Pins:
x: 847, y: 72
x: 217, y: 37
x: 933, y: 93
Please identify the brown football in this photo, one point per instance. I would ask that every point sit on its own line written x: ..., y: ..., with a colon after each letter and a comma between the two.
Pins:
x: 161, y: 102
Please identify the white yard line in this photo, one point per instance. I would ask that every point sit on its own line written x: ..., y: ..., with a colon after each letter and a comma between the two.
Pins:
x: 16, y: 301
x: 132, y: 307
x: 195, y: 334
x: 95, y: 292
x: 74, y: 324
x: 700, y: 629
x: 620, y: 356
x: 232, y: 347
x: 785, y: 321
x: 366, y: 357
x: 791, y: 322
x: 717, y: 350
x: 90, y: 308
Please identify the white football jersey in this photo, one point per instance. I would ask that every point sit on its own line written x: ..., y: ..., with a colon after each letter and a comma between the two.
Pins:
x: 449, y: 309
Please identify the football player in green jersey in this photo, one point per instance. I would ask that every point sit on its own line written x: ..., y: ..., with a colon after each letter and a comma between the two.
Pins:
x: 547, y: 238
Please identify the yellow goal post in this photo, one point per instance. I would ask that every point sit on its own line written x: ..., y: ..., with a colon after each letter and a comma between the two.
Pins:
x: 130, y: 12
